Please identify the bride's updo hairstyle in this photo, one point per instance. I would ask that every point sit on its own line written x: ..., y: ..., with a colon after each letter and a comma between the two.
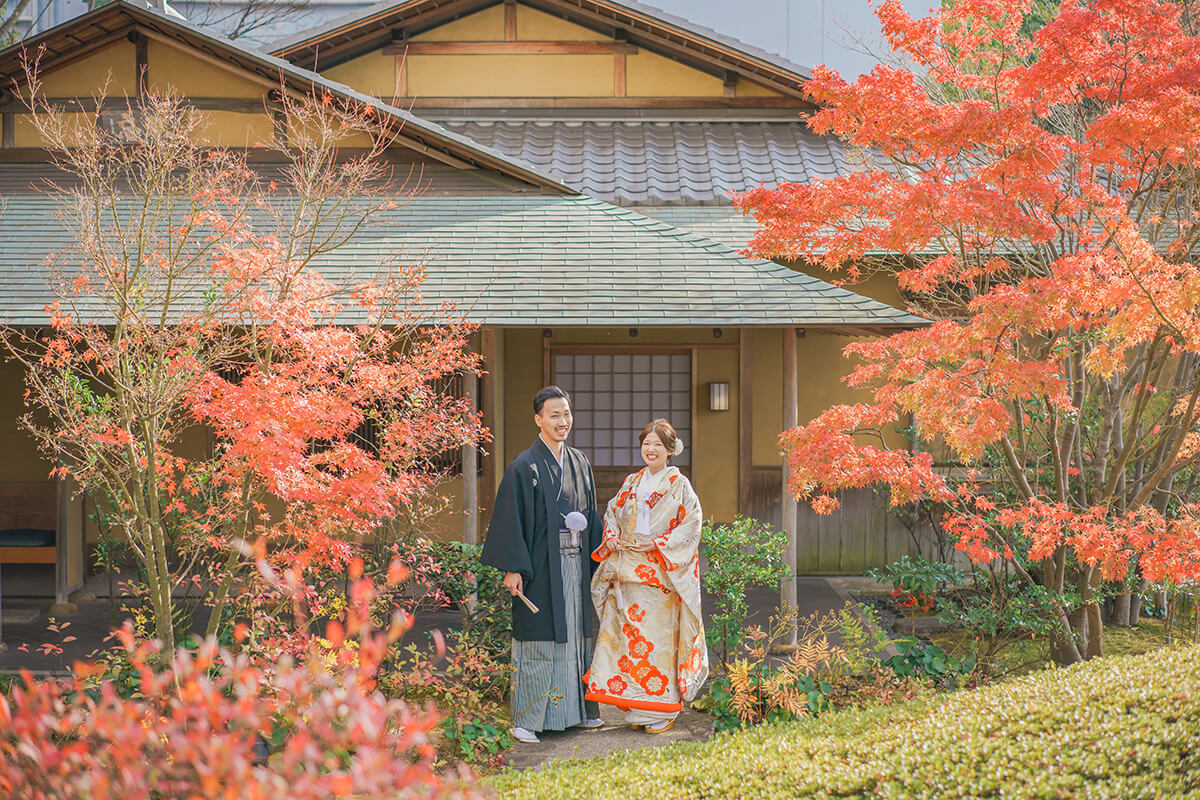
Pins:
x: 666, y: 435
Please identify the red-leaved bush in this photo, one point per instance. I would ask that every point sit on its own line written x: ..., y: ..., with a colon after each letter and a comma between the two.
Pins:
x: 191, y: 728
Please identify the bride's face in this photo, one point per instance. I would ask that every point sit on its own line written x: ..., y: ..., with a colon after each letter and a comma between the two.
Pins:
x: 654, y: 452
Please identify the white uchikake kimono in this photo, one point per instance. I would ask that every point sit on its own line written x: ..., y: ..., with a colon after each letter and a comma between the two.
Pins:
x: 651, y: 655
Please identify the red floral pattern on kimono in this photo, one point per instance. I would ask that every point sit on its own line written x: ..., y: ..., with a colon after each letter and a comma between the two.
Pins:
x: 651, y: 633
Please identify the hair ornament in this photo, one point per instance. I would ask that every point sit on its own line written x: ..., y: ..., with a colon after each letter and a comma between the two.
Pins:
x: 678, y: 446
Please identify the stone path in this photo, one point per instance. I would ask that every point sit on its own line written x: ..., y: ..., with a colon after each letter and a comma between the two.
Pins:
x: 815, y: 594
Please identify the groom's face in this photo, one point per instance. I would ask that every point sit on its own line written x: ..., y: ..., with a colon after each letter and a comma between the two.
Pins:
x: 555, y: 419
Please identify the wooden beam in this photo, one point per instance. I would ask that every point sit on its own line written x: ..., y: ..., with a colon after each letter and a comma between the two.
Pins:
x: 9, y: 120
x: 401, y: 75
x: 789, y: 508
x: 610, y: 102
x: 141, y: 62
x: 89, y: 104
x: 508, y: 48
x: 730, y: 87
x: 487, y: 403
x: 745, y: 417
x: 510, y: 20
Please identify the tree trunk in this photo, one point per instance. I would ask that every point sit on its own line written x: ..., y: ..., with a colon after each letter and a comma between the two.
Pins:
x: 1123, y: 610
x: 1135, y: 611
x: 158, y: 582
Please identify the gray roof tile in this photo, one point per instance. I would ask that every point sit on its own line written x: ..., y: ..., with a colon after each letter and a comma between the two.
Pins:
x: 520, y: 260
x: 664, y: 163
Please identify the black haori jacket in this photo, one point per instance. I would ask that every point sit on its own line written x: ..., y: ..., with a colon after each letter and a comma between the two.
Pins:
x: 523, y: 535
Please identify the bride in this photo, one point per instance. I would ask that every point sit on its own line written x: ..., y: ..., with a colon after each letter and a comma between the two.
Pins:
x: 650, y: 655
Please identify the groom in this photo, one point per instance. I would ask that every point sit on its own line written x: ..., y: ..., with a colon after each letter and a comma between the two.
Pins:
x: 529, y: 540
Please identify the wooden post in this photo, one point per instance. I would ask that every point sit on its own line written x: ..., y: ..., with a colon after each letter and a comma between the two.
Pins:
x: 510, y: 20
x: 60, y: 543
x: 487, y: 402
x: 788, y: 505
x: 745, y: 418
x: 470, y: 470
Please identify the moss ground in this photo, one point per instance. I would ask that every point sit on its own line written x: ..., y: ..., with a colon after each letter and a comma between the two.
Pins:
x: 1119, y: 727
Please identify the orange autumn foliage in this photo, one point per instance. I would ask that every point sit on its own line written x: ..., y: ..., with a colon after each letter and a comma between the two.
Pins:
x: 1037, y: 179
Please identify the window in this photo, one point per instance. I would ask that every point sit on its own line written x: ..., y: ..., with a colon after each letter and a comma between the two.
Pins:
x: 614, y: 395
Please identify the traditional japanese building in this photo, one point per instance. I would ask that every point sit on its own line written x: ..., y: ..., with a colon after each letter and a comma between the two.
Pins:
x: 585, y: 146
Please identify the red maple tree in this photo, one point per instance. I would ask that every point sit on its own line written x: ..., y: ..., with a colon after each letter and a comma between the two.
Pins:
x: 200, y: 377
x: 1035, y: 178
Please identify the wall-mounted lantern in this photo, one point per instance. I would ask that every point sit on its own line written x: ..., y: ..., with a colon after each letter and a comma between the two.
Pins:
x: 718, y: 395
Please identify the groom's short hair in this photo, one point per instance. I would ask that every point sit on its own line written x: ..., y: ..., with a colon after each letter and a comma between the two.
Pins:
x: 548, y: 393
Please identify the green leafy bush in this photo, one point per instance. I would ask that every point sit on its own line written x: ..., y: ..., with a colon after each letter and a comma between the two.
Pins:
x: 918, y: 576
x: 1122, y: 727
x: 833, y: 655
x: 915, y: 658
x: 741, y: 554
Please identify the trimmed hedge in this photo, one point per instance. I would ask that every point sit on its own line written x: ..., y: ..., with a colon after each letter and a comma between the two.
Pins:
x: 1125, y: 727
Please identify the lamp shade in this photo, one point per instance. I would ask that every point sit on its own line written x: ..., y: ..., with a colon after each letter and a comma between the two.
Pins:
x: 718, y: 396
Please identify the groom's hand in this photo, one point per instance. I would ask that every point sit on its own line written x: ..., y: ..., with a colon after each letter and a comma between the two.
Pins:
x: 513, y: 582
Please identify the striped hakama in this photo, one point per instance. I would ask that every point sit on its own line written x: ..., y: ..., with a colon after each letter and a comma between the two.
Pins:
x: 548, y: 689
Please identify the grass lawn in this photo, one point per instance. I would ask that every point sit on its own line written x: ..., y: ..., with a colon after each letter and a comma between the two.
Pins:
x: 1119, y: 727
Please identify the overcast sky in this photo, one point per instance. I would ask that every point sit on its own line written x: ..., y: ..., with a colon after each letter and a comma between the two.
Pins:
x: 806, y: 32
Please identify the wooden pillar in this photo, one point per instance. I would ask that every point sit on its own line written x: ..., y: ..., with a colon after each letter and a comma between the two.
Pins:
x: 788, y: 506
x: 470, y: 470
x: 487, y: 402
x: 61, y: 532
x: 745, y: 418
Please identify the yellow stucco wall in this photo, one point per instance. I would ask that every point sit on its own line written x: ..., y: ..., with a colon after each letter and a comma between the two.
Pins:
x: 21, y: 460
x: 747, y: 88
x: 715, y: 437
x: 510, y: 75
x: 373, y: 74
x: 190, y: 76
x: 117, y: 60
x: 651, y: 75
x: 538, y: 26
x: 482, y: 26
x: 522, y: 378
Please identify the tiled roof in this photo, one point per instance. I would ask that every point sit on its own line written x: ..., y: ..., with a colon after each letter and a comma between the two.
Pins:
x: 724, y: 224
x: 664, y: 163
x: 523, y: 261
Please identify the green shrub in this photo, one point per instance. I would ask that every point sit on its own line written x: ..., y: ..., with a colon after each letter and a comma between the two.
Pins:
x: 737, y: 555
x: 915, y: 658
x: 1122, y: 727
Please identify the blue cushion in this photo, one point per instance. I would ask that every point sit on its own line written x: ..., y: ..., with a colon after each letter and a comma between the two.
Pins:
x: 26, y: 537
